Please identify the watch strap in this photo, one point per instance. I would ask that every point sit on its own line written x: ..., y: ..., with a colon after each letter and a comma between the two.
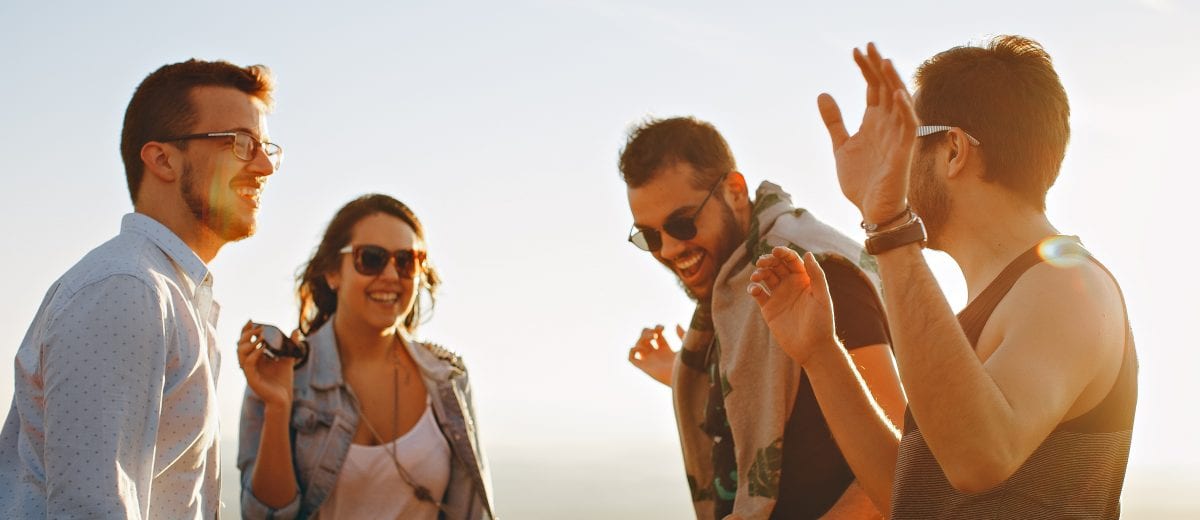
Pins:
x: 910, y: 232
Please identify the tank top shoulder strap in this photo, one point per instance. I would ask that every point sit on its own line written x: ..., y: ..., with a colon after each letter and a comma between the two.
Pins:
x: 976, y: 314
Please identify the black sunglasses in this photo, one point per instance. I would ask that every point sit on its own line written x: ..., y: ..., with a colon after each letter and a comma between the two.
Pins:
x: 370, y: 260
x: 679, y: 227
x: 278, y: 344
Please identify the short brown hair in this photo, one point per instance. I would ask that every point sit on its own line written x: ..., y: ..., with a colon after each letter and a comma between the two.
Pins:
x: 1007, y: 95
x: 659, y: 143
x: 162, y: 105
x: 318, y: 301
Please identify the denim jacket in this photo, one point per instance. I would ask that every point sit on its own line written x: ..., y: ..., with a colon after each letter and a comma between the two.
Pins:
x: 324, y: 421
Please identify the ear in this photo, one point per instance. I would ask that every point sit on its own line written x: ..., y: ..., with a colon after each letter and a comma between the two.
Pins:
x: 161, y: 161
x: 333, y: 279
x: 960, y: 152
x: 736, y: 191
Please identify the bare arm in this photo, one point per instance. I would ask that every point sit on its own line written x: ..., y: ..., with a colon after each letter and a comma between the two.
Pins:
x: 797, y: 308
x: 269, y: 393
x: 981, y: 420
x: 853, y: 505
x: 877, y: 367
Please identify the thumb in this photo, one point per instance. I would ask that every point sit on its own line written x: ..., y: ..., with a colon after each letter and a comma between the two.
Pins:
x: 832, y: 116
x: 816, y: 274
x: 680, y: 331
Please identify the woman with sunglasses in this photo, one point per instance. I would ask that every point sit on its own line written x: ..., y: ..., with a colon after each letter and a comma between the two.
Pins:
x: 374, y: 424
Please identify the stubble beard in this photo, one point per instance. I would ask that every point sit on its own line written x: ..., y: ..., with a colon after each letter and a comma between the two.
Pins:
x: 222, y: 221
x: 929, y: 199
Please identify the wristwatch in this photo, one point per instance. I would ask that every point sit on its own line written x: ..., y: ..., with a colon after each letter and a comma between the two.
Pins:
x: 904, y: 234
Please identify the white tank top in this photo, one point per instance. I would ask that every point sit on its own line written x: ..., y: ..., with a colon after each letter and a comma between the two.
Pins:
x: 369, y: 487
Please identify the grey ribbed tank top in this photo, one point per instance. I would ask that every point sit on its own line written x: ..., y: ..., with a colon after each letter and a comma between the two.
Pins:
x: 1077, y: 472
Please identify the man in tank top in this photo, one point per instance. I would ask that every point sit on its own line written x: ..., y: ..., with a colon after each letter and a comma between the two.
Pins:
x: 1022, y: 405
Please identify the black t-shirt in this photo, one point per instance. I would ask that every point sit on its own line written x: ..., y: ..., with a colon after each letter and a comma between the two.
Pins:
x: 814, y: 472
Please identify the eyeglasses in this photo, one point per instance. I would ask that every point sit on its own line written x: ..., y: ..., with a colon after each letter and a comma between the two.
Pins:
x: 680, y: 228
x: 923, y: 131
x: 370, y: 260
x: 245, y: 146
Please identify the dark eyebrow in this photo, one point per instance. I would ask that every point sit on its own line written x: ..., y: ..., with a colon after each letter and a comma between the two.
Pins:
x: 683, y: 211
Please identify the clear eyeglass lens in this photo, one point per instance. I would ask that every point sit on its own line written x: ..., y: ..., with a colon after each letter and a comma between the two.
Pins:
x: 243, y: 146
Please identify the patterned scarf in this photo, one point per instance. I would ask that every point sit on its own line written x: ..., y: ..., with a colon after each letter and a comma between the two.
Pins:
x: 754, y: 379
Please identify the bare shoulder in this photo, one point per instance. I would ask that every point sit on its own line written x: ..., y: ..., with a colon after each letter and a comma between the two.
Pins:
x: 1060, y: 323
x: 1081, y: 292
x: 1062, y: 303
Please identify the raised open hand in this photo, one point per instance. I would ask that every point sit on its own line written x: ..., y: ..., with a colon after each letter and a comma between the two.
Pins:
x: 653, y: 355
x: 873, y: 164
x: 794, y: 300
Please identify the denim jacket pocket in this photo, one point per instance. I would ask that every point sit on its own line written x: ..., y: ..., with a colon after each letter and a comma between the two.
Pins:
x: 306, y: 417
x: 310, y: 437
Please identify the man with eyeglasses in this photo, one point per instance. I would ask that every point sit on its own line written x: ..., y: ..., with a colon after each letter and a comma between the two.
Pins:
x: 114, y: 413
x: 754, y: 442
x: 1022, y: 405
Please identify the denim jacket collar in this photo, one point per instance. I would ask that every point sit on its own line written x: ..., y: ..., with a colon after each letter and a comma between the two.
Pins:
x: 327, y: 364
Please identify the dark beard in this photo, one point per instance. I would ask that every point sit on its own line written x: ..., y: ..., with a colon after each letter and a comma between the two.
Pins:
x: 730, y: 239
x: 929, y: 198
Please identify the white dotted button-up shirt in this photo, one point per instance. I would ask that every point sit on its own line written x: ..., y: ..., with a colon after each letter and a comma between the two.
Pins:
x: 114, y: 413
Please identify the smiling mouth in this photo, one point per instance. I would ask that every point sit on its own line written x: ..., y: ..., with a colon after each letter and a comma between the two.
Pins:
x: 249, y: 192
x: 383, y: 296
x: 688, y: 265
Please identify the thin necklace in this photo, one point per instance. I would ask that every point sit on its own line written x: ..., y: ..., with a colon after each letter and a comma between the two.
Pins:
x: 421, y: 492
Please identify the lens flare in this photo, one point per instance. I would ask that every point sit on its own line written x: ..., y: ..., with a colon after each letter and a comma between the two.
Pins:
x: 1062, y: 251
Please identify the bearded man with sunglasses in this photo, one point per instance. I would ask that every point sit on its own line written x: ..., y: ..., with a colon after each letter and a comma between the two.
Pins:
x: 754, y: 441
x: 114, y: 413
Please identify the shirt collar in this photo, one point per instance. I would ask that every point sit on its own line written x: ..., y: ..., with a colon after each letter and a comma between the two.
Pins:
x: 170, y: 244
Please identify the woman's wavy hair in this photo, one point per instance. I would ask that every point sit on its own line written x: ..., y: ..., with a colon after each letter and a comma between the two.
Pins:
x: 318, y: 301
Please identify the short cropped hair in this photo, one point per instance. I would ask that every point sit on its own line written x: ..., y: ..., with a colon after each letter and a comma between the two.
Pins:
x: 658, y: 143
x: 162, y: 105
x: 1007, y: 95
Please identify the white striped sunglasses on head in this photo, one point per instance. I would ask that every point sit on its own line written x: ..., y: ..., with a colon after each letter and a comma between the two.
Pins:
x: 923, y: 131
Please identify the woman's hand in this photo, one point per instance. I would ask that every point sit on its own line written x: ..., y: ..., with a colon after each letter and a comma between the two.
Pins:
x: 270, y: 379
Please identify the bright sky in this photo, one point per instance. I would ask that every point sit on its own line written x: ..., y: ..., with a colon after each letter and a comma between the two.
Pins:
x: 500, y: 123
